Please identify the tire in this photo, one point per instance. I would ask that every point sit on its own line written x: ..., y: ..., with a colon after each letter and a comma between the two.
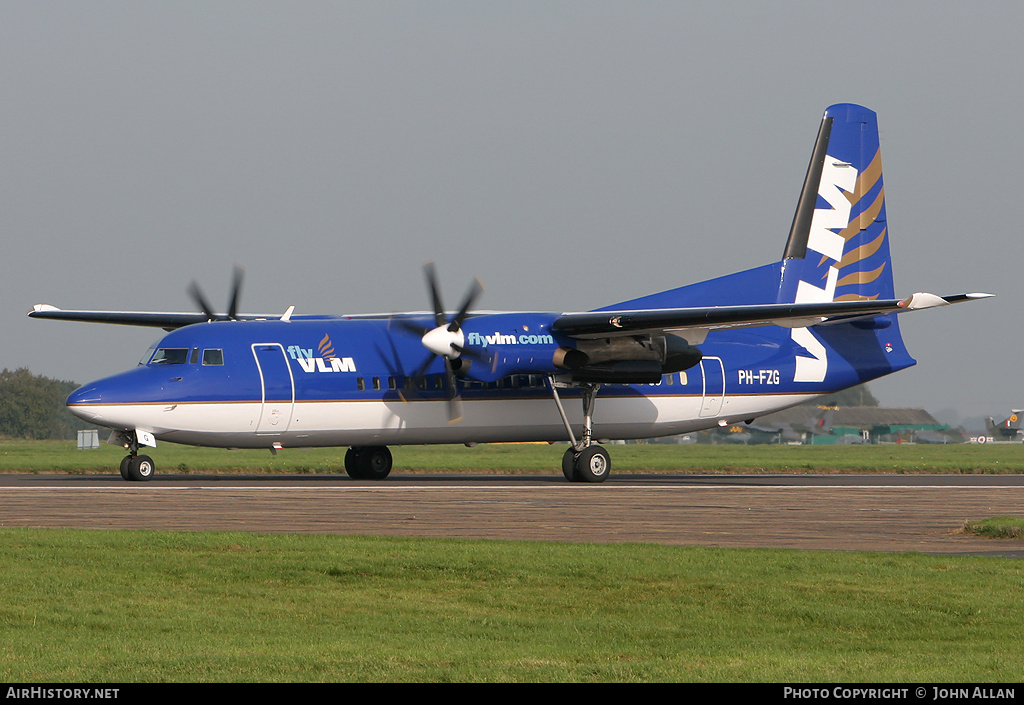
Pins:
x: 374, y: 462
x: 593, y: 464
x: 352, y: 467
x: 125, y: 475
x: 569, y: 465
x: 141, y: 468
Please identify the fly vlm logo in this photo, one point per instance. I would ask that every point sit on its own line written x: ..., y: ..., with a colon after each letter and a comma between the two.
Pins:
x: 327, y: 360
x: 837, y: 177
x: 509, y: 339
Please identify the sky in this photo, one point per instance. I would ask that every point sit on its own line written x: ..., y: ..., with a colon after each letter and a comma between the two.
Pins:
x: 570, y: 154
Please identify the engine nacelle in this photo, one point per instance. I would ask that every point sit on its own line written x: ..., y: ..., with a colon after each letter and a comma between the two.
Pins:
x: 622, y: 372
x: 636, y: 360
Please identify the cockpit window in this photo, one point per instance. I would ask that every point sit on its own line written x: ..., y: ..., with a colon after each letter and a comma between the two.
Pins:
x: 170, y: 356
x: 144, y: 360
x: 213, y: 356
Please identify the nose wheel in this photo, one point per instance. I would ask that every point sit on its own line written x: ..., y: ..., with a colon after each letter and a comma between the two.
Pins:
x: 137, y: 468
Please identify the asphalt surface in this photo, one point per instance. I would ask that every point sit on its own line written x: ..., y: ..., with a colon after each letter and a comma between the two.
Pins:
x: 891, y: 513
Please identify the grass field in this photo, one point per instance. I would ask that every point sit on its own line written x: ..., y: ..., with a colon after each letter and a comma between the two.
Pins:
x: 97, y: 606
x: 63, y: 456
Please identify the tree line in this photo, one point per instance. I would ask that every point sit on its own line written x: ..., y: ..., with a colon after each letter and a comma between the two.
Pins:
x: 32, y: 406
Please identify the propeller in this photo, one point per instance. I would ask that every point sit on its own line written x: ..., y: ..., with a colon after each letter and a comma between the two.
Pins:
x: 446, y: 340
x: 204, y: 305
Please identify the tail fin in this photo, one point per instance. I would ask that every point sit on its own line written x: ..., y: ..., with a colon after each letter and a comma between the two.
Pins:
x: 1008, y: 427
x: 838, y: 250
x: 838, y: 247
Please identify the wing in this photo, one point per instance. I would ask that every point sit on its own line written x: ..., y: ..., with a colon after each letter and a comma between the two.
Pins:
x: 602, y: 324
x: 157, y: 319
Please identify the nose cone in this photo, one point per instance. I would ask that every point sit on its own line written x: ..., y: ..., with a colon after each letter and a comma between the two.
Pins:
x: 89, y: 394
x: 83, y: 402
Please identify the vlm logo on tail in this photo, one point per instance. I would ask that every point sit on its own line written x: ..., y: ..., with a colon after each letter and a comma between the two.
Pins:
x: 837, y: 179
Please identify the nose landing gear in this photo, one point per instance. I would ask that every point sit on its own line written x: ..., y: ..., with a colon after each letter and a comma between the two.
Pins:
x: 135, y: 467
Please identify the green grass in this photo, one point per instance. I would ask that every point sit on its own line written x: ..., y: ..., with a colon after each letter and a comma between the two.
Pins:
x: 97, y: 606
x: 63, y: 456
x: 1004, y: 527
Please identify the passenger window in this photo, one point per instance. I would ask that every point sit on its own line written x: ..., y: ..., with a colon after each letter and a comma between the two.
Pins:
x: 213, y: 356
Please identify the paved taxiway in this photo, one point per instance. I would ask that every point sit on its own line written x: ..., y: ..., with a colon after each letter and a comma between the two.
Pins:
x: 921, y: 513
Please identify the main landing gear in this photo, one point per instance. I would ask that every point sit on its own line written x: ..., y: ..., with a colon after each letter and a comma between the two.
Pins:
x: 584, y: 460
x: 368, y: 462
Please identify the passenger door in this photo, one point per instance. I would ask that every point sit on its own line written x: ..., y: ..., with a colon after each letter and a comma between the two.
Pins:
x: 714, y: 386
x: 278, y: 388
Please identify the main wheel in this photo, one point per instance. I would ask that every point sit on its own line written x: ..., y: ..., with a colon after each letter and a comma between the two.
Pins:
x: 374, y: 462
x: 569, y: 465
x: 352, y: 463
x: 141, y: 468
x: 593, y: 464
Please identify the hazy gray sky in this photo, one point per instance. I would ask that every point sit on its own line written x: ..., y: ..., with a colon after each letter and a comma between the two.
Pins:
x: 571, y: 154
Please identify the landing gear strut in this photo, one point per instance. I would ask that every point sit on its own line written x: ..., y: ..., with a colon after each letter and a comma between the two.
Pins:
x: 584, y: 460
x: 368, y: 462
x: 135, y: 467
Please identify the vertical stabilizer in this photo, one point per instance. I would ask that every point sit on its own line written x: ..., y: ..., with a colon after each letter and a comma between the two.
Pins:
x: 838, y: 248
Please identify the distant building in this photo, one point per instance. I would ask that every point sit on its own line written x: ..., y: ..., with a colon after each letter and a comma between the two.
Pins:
x: 842, y: 425
x: 878, y: 425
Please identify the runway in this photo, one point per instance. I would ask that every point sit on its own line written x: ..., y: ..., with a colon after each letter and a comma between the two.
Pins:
x: 891, y: 513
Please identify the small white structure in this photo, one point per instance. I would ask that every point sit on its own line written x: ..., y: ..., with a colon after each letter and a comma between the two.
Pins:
x: 88, y: 439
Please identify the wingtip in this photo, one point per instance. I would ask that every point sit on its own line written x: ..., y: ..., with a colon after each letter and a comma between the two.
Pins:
x: 973, y: 296
x: 42, y: 308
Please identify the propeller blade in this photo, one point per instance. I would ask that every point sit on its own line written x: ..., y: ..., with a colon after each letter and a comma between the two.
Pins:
x: 422, y: 369
x: 236, y: 291
x: 475, y: 289
x: 435, y: 292
x: 204, y: 305
x: 200, y: 301
x: 454, y: 400
x: 473, y: 354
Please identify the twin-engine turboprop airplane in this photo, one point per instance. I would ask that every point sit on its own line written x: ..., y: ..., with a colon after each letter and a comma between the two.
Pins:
x: 729, y: 349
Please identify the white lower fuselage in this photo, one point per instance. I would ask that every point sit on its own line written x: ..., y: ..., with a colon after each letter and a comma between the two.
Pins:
x: 395, y: 422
